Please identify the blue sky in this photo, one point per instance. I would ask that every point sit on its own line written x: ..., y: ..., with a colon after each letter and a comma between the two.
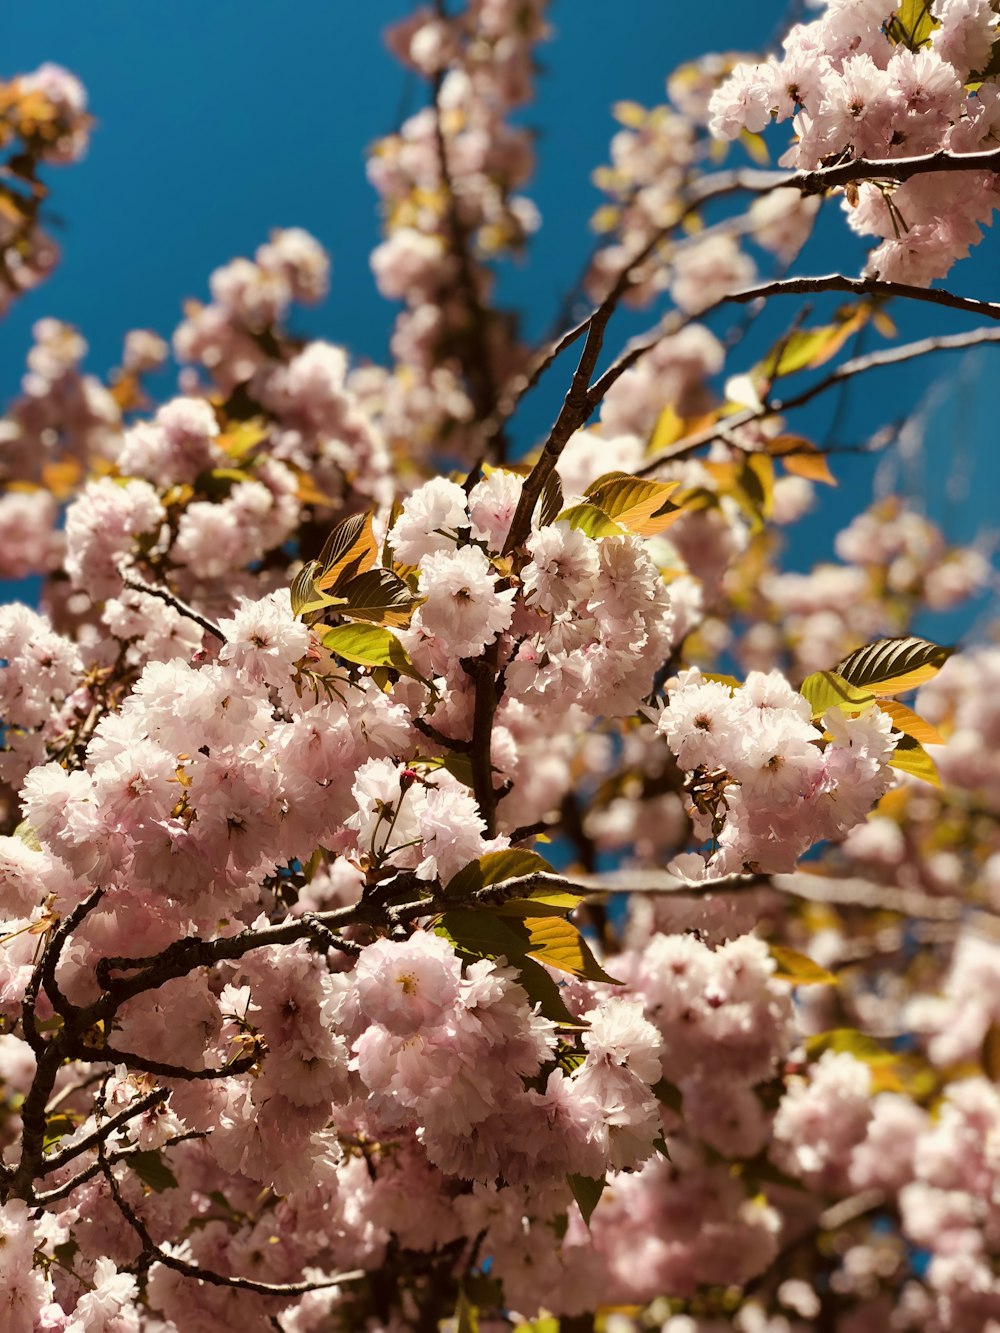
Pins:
x: 221, y: 119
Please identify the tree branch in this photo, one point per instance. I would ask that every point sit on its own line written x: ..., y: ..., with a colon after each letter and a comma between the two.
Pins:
x: 859, y: 365
x: 152, y: 590
x: 152, y: 1253
x: 105, y: 1130
x: 831, y: 282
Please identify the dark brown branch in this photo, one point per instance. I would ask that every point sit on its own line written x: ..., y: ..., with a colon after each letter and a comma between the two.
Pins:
x: 153, y: 590
x: 120, y: 1155
x: 439, y: 738
x: 572, y: 415
x: 152, y: 1253
x: 831, y: 282
x: 161, y: 1068
x: 483, y: 671
x: 105, y: 1130
x: 748, y: 181
x: 477, y: 366
x: 837, y: 282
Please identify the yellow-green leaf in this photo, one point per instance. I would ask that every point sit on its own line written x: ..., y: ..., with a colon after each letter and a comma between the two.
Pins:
x: 720, y: 678
x: 28, y: 835
x: 893, y: 666
x: 910, y: 757
x: 912, y: 24
x: 798, y: 969
x: 827, y: 689
x: 591, y: 520
x: 482, y: 934
x: 370, y: 646
x: 755, y: 146
x: 641, y: 506
x: 242, y: 437
x: 496, y: 868
x: 805, y: 349
x: 885, y: 1066
x: 668, y: 430
x: 466, y: 1315
x: 557, y: 943
x: 546, y: 902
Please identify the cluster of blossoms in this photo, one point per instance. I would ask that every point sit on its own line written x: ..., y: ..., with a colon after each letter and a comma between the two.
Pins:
x: 448, y: 181
x: 764, y: 790
x: 299, y: 1031
x: 43, y: 121
x: 861, y: 82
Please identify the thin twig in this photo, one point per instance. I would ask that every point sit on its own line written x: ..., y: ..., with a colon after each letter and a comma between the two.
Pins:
x: 154, y: 1254
x: 860, y: 365
x: 153, y: 590
x: 105, y: 1130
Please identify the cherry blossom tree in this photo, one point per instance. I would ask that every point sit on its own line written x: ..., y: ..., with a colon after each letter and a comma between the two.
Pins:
x: 452, y: 887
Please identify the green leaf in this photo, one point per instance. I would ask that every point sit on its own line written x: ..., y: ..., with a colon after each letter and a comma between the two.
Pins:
x: 591, y: 521
x: 152, y: 1170
x: 912, y: 24
x: 349, y: 550
x: 495, y: 868
x: 587, y: 1193
x: 641, y: 506
x: 825, y: 689
x: 381, y: 596
x: 543, y: 991
x: 370, y: 646
x: 484, y: 935
x: 910, y: 757
x: 893, y: 666
x: 798, y: 969
x: 669, y: 1094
